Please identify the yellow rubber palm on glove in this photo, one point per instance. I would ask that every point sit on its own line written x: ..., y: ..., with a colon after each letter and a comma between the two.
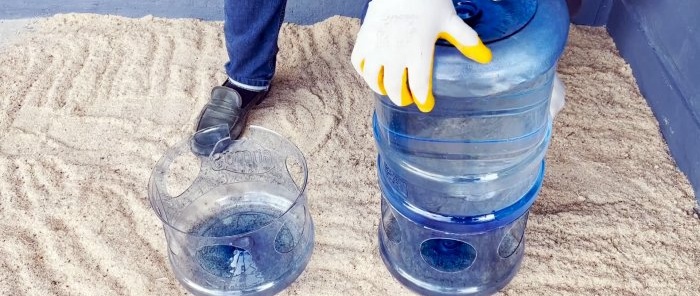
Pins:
x: 395, y: 47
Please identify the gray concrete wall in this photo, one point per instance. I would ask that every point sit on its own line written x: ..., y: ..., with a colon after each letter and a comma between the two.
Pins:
x: 589, y: 12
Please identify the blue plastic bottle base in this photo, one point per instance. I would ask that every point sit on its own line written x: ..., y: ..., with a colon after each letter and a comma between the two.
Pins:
x: 425, y: 289
x: 279, y: 244
x: 266, y: 289
x: 431, y: 262
x: 453, y: 258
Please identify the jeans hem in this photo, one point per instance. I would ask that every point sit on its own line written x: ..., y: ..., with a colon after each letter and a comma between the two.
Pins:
x: 250, y: 82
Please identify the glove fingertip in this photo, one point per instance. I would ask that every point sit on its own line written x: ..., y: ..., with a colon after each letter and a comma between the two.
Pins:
x: 427, y: 105
x: 479, y: 53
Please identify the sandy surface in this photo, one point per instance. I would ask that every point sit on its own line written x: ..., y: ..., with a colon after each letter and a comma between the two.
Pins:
x: 91, y: 102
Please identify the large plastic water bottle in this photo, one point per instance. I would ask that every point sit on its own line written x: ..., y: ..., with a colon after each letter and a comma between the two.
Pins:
x: 458, y: 182
x: 482, y: 145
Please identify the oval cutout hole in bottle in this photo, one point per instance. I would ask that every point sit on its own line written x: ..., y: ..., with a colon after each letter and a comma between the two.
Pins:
x: 447, y: 255
x: 292, y: 231
x: 181, y: 174
x: 285, y: 240
x: 513, y: 238
x: 390, y: 225
x: 296, y: 171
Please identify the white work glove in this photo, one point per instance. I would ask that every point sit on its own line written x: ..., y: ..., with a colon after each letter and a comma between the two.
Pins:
x: 395, y: 47
x: 558, y: 97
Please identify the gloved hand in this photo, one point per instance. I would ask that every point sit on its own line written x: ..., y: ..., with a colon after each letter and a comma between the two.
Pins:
x: 396, y: 43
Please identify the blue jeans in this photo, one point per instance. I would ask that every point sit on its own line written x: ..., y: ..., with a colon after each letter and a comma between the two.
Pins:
x: 251, y: 28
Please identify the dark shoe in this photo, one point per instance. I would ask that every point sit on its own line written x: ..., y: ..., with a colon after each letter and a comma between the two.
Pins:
x: 229, y: 105
x: 224, y: 117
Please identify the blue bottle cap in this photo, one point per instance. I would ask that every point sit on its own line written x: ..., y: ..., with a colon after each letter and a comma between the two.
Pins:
x: 494, y: 20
